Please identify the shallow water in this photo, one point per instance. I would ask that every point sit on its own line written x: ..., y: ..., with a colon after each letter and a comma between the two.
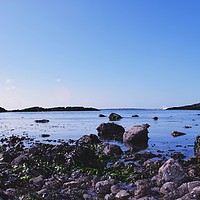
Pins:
x: 72, y: 125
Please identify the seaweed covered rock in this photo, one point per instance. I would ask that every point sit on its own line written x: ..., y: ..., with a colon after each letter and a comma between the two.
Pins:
x: 110, y: 131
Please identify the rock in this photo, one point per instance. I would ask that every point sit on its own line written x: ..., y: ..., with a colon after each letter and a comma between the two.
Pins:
x: 135, y: 115
x: 112, y: 149
x: 87, y: 197
x: 70, y: 184
x: 110, y: 131
x: 155, y: 118
x: 171, y: 171
x: 103, y: 187
x: 42, y: 121
x: 20, y: 159
x: 109, y: 197
x: 197, y: 146
x: 187, y: 127
x: 183, y: 191
x: 114, y: 117
x: 143, y: 188
x: 45, y: 135
x: 168, y: 187
x: 88, y: 140
x: 38, y: 181
x: 102, y: 115
x: 177, y: 133
x: 136, y: 134
x: 115, y: 188
x: 122, y: 195
x: 196, y: 192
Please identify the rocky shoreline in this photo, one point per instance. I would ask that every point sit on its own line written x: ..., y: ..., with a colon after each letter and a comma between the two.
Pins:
x: 92, y: 168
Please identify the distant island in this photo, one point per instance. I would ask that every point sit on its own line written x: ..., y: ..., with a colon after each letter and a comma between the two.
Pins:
x: 187, y: 107
x: 40, y: 109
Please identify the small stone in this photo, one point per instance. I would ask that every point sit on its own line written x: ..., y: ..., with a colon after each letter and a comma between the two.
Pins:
x: 122, y: 195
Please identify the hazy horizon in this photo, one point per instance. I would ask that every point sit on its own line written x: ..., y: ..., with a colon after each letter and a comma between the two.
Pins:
x: 102, y: 54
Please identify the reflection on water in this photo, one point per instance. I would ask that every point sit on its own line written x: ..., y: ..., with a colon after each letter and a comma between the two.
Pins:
x: 72, y: 125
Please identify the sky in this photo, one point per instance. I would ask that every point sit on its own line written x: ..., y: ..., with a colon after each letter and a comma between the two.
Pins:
x: 99, y: 53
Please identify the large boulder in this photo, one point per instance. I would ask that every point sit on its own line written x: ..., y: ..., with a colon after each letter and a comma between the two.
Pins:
x: 114, y: 117
x: 171, y: 171
x: 110, y: 131
x: 136, y: 135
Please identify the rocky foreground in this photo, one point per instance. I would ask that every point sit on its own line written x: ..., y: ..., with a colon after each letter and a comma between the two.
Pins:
x: 89, y: 169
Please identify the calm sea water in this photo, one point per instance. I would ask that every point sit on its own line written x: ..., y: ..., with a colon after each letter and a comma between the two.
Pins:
x: 73, y: 125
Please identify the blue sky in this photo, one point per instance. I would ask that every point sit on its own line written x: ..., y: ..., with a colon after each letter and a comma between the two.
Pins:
x: 99, y: 53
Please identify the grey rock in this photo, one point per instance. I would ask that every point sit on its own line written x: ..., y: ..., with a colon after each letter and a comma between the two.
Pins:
x: 109, y: 197
x: 115, y: 188
x: 103, y: 187
x: 168, y: 187
x: 170, y: 171
x: 37, y: 181
x: 122, y: 195
x: 136, y: 134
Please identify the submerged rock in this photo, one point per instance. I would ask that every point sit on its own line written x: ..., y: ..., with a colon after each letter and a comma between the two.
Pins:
x: 155, y: 118
x: 114, y: 117
x: 135, y: 115
x: 41, y: 120
x: 102, y: 115
x: 177, y: 133
x: 110, y: 131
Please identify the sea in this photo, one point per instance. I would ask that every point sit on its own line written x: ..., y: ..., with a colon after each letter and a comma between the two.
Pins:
x: 71, y: 125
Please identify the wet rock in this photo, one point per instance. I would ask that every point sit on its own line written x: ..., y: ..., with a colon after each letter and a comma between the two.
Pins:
x: 177, y: 133
x: 110, y: 131
x: 88, y: 140
x: 109, y: 197
x: 103, y: 187
x: 135, y: 115
x: 185, y: 189
x: 168, y: 187
x: 171, y: 171
x: 114, y: 117
x: 112, y: 149
x: 115, y: 188
x: 187, y: 127
x: 45, y: 135
x: 41, y: 120
x: 20, y: 159
x: 197, y: 146
x: 143, y: 188
x: 122, y: 195
x: 136, y: 134
x: 38, y: 182
x: 87, y: 197
x: 155, y: 118
x: 102, y: 115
